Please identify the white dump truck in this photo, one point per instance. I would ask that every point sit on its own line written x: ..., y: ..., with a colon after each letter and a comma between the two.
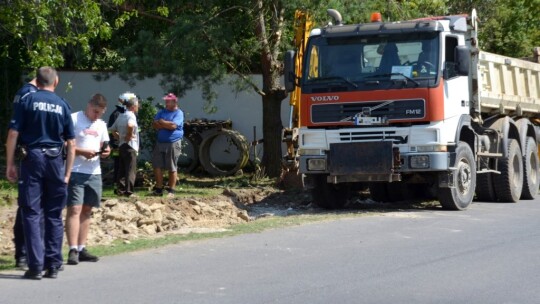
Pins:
x: 414, y: 110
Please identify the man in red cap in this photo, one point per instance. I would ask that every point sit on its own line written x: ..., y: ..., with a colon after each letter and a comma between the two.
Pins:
x: 169, y: 123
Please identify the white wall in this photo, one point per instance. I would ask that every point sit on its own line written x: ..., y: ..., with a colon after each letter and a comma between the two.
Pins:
x: 244, y: 109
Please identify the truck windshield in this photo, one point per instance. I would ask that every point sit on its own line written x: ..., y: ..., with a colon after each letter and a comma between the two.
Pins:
x: 373, y: 58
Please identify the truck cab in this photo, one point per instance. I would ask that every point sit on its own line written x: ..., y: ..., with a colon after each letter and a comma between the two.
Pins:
x: 391, y: 105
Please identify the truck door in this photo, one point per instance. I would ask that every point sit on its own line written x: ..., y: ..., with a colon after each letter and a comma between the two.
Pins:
x: 456, y: 88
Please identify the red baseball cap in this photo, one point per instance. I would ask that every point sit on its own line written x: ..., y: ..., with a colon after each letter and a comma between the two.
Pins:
x: 170, y: 96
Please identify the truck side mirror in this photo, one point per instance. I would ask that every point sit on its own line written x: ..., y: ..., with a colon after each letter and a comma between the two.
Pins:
x: 289, y: 67
x: 463, y: 60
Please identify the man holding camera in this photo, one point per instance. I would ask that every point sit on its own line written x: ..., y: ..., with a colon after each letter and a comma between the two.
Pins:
x: 85, y: 184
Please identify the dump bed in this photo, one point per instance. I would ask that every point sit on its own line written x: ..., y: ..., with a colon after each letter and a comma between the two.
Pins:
x: 508, y: 84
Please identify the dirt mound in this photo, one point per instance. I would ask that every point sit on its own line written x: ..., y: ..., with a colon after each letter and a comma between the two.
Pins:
x: 127, y: 219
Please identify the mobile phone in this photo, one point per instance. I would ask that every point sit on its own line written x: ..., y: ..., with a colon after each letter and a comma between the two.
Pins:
x: 104, y: 147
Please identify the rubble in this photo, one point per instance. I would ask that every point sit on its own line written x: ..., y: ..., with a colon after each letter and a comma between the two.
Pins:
x: 127, y: 219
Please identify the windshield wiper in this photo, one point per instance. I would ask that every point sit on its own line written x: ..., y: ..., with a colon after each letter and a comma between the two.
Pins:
x: 334, y: 78
x: 394, y: 74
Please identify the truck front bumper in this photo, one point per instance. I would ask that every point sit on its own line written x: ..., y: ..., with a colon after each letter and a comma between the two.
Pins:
x: 371, y: 162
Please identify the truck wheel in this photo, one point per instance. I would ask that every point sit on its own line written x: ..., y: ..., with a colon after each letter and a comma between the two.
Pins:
x: 509, y: 184
x: 460, y: 196
x: 531, y: 180
x: 328, y: 196
x: 484, y: 188
x: 400, y: 191
x: 378, y: 192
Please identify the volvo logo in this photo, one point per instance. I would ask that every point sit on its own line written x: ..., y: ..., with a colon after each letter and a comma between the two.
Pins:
x: 324, y: 98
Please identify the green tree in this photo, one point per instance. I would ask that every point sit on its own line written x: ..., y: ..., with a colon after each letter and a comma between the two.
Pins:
x: 507, y: 27
x: 38, y: 33
x: 48, y: 32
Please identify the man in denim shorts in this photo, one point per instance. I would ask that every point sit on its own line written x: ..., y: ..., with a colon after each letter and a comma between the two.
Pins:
x: 85, y: 185
x: 169, y: 123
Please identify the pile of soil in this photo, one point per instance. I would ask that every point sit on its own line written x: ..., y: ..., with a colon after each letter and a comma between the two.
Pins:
x: 131, y: 218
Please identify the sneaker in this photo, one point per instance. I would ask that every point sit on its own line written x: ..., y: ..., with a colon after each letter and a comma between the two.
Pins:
x: 20, y: 263
x: 73, y: 257
x: 170, y: 192
x: 32, y: 275
x: 157, y: 191
x: 85, y: 256
x: 51, y: 272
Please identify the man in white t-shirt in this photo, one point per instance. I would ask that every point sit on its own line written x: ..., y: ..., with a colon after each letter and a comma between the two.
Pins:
x: 126, y: 129
x: 85, y: 185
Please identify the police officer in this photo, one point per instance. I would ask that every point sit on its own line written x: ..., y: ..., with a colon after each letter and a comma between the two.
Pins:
x: 18, y: 232
x: 43, y: 123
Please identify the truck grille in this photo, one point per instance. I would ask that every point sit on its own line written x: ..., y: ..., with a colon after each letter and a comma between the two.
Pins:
x: 364, y: 136
x: 410, y: 109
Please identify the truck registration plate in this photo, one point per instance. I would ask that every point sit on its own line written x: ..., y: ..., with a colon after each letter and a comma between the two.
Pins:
x: 368, y: 120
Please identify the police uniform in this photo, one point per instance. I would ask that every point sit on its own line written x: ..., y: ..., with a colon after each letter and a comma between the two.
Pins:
x: 18, y: 232
x: 43, y: 121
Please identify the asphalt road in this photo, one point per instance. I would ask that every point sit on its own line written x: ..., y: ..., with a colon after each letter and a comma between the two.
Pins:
x: 487, y: 254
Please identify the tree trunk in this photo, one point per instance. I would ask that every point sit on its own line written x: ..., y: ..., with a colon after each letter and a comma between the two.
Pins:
x: 273, y: 92
x: 272, y: 127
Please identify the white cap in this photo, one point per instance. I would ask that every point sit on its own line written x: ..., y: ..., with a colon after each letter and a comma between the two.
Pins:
x: 126, y: 96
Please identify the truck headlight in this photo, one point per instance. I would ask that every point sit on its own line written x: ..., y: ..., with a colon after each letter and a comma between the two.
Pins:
x: 432, y: 148
x: 310, y: 152
x: 419, y: 161
x: 316, y: 164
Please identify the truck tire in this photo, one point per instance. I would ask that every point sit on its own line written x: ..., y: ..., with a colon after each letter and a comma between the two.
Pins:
x: 531, y: 180
x: 484, y: 188
x: 328, y: 196
x: 509, y: 184
x: 378, y: 192
x: 393, y: 192
x: 400, y: 191
x: 460, y: 196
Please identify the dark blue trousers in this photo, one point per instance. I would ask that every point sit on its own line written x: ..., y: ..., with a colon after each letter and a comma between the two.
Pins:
x: 43, y: 194
x: 18, y: 236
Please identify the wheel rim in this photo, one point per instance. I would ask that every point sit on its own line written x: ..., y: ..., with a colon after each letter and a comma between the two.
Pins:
x: 464, y: 177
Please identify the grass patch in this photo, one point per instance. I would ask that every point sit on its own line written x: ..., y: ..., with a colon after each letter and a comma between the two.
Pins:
x: 8, y: 193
